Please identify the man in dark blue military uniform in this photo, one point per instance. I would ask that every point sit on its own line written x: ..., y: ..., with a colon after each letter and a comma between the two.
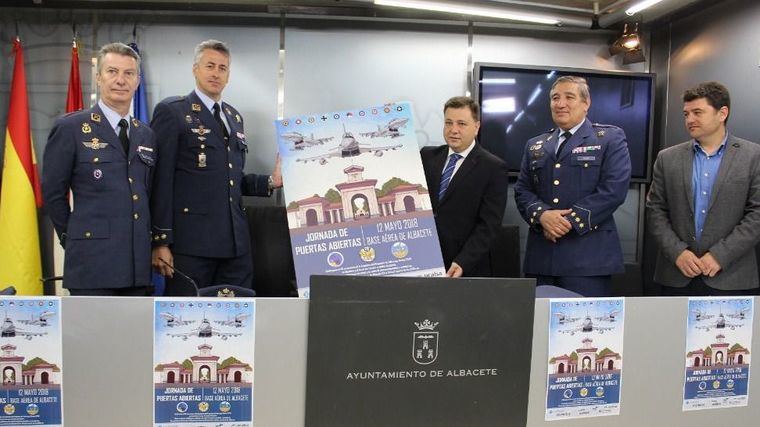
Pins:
x: 199, y: 223
x: 571, y: 181
x: 105, y: 159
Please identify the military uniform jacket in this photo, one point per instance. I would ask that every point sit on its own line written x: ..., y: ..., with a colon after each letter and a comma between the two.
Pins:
x: 591, y: 177
x: 107, y: 235
x: 199, y: 181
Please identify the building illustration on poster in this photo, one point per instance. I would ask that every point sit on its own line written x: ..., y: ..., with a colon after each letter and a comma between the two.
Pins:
x: 585, y: 358
x: 30, y: 362
x: 203, y: 362
x: 718, y: 342
x: 356, y: 197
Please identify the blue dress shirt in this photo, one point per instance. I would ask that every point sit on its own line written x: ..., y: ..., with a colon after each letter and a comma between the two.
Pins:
x: 704, y: 173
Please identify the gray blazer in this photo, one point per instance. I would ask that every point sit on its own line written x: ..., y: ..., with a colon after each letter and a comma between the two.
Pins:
x: 732, y: 225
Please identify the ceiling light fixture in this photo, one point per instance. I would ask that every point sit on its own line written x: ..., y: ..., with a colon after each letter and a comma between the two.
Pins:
x: 638, y: 7
x: 629, y: 44
x: 466, y: 9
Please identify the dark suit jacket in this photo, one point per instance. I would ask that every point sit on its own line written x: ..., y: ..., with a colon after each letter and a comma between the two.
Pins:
x: 107, y: 235
x: 472, y: 208
x: 732, y: 226
x: 199, y: 183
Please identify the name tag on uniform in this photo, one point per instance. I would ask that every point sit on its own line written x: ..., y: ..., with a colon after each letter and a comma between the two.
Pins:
x: 586, y: 149
x: 586, y: 158
x: 143, y: 148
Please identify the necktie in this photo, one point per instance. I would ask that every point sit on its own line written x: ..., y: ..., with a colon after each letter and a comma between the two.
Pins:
x: 123, y: 125
x: 567, y: 136
x: 218, y: 117
x: 448, y: 172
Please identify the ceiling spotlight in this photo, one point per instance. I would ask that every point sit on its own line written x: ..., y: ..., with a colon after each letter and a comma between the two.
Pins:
x: 629, y: 43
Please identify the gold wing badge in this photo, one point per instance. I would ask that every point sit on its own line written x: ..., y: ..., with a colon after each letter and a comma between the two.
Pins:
x: 95, y: 144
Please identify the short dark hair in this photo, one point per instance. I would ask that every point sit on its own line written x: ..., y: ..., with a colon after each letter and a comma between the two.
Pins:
x: 713, y: 92
x: 462, y: 102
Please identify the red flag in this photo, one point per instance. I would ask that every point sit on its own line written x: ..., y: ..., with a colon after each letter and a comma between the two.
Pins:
x: 20, y: 194
x: 74, y: 98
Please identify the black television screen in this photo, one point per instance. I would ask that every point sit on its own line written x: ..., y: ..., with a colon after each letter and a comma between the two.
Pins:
x: 514, y: 103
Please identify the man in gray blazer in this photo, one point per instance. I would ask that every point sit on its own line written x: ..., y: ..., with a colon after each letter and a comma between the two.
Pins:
x: 704, y: 204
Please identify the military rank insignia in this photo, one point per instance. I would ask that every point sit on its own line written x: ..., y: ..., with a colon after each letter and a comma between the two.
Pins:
x: 95, y: 117
x: 135, y: 122
x: 201, y: 160
x: 86, y: 128
x: 237, y: 118
x: 196, y: 107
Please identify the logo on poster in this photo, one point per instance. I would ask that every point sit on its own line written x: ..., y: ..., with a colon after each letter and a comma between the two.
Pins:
x: 425, y: 342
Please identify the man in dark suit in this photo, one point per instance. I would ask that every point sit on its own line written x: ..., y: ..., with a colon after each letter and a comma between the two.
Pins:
x: 571, y: 181
x: 703, y: 207
x: 105, y: 159
x: 199, y: 222
x: 468, y: 191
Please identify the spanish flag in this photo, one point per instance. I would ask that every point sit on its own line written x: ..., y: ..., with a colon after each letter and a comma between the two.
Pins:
x: 20, y: 194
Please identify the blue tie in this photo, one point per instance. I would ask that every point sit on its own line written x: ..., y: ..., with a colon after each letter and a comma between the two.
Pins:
x: 447, y: 174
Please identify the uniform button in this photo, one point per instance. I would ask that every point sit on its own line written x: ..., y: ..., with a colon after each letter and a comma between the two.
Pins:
x: 535, y: 213
x: 232, y: 183
x: 595, y: 227
x: 228, y: 148
x: 130, y: 180
x: 557, y: 166
x: 129, y: 162
x: 573, y: 214
x: 577, y: 219
x: 585, y: 165
x: 203, y: 146
x: 556, y: 182
x: 539, y: 208
x: 135, y: 197
x: 136, y: 215
x: 532, y: 221
x: 95, y: 160
x: 87, y: 234
x: 163, y: 236
x: 556, y: 200
x: 186, y: 210
x: 230, y: 199
x: 580, y: 225
x: 230, y: 165
x: 155, y: 237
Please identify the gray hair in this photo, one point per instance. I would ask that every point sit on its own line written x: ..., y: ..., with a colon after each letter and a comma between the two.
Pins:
x: 579, y: 81
x: 119, y: 49
x: 212, y: 44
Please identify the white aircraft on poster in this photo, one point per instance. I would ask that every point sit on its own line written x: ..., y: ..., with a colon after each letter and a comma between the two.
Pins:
x: 237, y: 321
x: 740, y: 314
x: 609, y: 316
x: 587, y: 326
x: 38, y: 320
x: 562, y: 318
x: 700, y: 315
x: 348, y: 147
x: 720, y: 323
x: 390, y: 130
x: 172, y: 320
x: 204, y: 330
x: 9, y: 330
x: 301, y: 141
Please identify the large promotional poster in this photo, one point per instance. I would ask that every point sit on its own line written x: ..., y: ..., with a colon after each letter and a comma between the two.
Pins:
x: 585, y: 357
x: 203, y: 362
x: 30, y: 362
x: 356, y: 196
x: 718, y: 339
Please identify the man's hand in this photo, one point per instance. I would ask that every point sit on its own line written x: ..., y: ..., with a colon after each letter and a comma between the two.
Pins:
x: 555, y: 224
x: 163, y: 253
x: 710, y: 266
x: 690, y: 265
x: 277, y: 172
x: 455, y: 270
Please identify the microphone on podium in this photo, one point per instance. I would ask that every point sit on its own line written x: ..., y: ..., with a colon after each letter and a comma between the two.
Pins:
x: 184, y: 276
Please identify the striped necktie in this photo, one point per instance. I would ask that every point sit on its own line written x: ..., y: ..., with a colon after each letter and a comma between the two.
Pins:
x: 448, y: 172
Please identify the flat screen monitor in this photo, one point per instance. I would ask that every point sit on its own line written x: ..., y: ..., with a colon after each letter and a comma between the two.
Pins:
x: 514, y: 102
